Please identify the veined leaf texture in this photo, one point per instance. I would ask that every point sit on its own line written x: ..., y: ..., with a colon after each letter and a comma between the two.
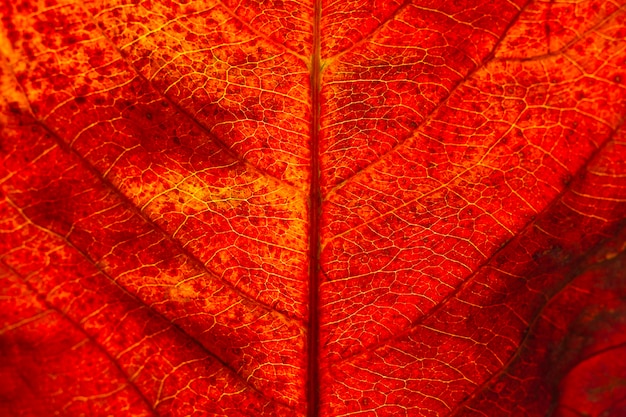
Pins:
x: 325, y: 208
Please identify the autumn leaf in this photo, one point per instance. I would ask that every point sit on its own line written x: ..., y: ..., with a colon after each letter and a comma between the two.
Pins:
x: 276, y: 208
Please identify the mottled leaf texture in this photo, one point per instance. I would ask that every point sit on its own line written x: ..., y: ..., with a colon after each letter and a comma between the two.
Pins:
x: 323, y: 208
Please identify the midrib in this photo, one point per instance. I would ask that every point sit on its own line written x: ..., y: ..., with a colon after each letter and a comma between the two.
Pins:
x: 314, y: 215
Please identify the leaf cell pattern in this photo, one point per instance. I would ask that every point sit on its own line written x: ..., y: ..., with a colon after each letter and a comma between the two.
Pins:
x: 333, y: 208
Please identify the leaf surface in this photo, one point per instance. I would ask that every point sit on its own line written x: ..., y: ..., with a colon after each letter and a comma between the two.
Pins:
x: 274, y: 208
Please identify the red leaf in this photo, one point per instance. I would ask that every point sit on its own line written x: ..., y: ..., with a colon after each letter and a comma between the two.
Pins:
x: 272, y: 208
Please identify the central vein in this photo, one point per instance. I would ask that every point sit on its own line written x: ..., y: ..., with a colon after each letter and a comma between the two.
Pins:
x: 314, y: 216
